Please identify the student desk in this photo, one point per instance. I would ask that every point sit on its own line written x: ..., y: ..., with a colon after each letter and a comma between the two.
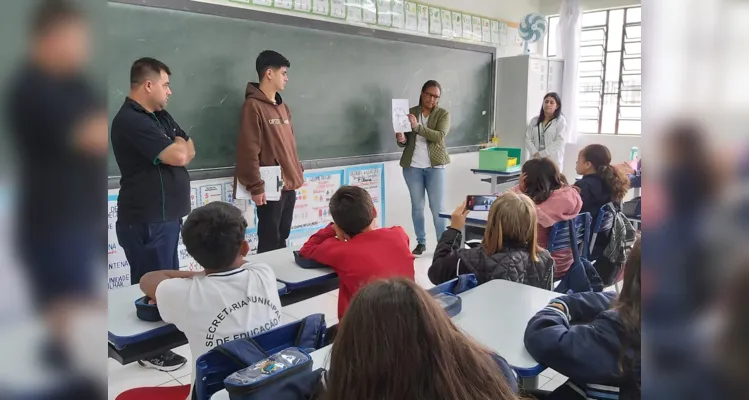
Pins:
x: 320, y: 359
x: 497, y: 178
x: 475, y: 218
x: 496, y: 314
x: 287, y: 271
x: 132, y: 339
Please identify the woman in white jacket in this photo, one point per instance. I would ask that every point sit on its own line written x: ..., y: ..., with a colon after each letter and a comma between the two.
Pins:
x: 547, y: 133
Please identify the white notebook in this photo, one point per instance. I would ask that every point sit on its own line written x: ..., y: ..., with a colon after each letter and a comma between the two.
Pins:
x: 273, y: 184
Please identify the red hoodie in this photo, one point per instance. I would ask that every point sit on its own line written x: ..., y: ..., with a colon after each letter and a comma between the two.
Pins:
x: 381, y: 253
x: 563, y: 205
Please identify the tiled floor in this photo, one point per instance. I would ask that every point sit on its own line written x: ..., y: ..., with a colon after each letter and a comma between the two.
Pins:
x: 130, y: 376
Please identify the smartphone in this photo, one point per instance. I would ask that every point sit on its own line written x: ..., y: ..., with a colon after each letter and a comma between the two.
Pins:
x: 479, y: 202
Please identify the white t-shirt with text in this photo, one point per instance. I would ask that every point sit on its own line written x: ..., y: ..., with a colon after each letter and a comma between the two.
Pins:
x: 221, y: 307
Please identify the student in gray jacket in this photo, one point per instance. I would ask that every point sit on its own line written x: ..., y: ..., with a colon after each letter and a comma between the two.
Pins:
x: 508, y: 251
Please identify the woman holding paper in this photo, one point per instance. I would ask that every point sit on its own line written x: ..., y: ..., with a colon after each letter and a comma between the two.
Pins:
x: 547, y: 134
x: 424, y: 159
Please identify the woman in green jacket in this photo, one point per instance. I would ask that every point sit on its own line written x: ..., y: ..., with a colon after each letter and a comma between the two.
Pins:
x: 424, y: 159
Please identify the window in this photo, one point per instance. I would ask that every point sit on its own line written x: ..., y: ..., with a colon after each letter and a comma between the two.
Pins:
x: 610, y: 70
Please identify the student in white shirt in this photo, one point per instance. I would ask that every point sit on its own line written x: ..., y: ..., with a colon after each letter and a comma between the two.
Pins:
x: 547, y: 134
x: 231, y: 299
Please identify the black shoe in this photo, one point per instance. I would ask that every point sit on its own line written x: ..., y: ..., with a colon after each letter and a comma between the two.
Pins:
x: 169, y: 361
x: 419, y: 250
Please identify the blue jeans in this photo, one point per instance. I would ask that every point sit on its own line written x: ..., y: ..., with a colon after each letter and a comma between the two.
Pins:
x: 431, y: 181
x: 149, y: 247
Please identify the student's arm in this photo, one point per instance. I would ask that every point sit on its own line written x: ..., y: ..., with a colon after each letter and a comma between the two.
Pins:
x: 585, y: 307
x: 249, y: 143
x: 529, y: 146
x: 560, y: 138
x: 151, y: 280
x: 446, y: 264
x: 584, y: 353
x: 321, y: 246
x: 438, y: 134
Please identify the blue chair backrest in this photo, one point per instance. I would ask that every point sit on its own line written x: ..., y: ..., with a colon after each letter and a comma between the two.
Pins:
x: 603, y: 223
x: 559, y: 236
x: 214, y: 366
x: 456, y: 286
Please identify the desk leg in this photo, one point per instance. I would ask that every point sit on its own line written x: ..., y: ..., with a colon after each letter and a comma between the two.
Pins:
x: 528, y: 383
x: 494, y: 184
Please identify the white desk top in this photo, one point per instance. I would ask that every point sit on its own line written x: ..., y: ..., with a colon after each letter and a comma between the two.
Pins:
x: 286, y: 269
x: 475, y: 218
x: 320, y: 359
x: 121, y: 317
x: 496, y: 314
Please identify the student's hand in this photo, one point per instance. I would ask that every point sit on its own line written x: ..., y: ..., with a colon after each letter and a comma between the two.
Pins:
x: 521, y: 182
x: 458, y: 217
x: 151, y: 301
x: 413, y: 121
x: 626, y: 167
x: 259, y: 199
x: 340, y: 234
x: 400, y: 137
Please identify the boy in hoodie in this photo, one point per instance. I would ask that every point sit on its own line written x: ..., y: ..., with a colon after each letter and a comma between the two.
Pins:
x: 555, y: 201
x: 266, y: 138
x: 355, y: 249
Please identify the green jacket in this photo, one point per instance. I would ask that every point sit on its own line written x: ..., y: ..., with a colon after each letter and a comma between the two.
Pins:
x: 437, y: 128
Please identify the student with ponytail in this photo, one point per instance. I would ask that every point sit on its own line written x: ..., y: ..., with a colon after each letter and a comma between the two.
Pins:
x: 601, y: 182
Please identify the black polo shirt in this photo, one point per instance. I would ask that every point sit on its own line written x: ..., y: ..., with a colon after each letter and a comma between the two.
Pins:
x: 150, y: 191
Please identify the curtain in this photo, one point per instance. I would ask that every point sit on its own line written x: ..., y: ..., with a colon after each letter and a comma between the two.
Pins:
x: 568, y: 43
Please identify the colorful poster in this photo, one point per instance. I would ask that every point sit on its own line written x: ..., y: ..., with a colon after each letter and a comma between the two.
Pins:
x: 353, y: 10
x: 503, y: 34
x: 311, y: 208
x: 372, y: 178
x: 411, y: 17
x: 447, y: 24
x: 457, y: 25
x: 486, y: 31
x: 286, y: 4
x: 467, y: 27
x: 476, y: 28
x: 302, y: 5
x: 495, y: 32
x: 338, y: 9
x: 211, y: 193
x: 399, y: 13
x: 321, y: 7
x: 118, y: 269
x: 423, y: 16
x: 435, y: 21
x: 369, y: 11
x: 384, y: 13
x: 194, y: 198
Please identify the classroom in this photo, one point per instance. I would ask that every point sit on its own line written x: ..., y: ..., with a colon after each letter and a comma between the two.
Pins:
x: 370, y: 161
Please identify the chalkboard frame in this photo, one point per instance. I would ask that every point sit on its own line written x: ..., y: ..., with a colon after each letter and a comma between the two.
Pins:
x: 316, y: 24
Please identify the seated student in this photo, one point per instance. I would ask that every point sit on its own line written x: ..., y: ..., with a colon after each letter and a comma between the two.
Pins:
x: 593, y: 338
x: 555, y: 201
x: 232, y: 298
x: 601, y: 182
x: 397, y: 343
x: 508, y: 251
x: 355, y: 250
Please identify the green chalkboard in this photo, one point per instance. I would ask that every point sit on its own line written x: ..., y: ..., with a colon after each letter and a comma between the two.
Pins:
x: 340, y: 84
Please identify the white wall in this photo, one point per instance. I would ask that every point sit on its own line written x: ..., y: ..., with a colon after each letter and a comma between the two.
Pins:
x: 551, y: 7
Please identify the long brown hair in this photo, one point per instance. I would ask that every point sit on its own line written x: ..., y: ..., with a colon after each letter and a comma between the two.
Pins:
x: 628, y: 305
x: 616, y: 180
x: 512, y: 218
x: 396, y: 343
x: 542, y: 178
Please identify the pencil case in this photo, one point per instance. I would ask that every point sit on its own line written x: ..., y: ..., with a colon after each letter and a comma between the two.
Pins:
x: 145, y: 311
x: 266, y: 377
x: 306, y: 263
x: 449, y: 302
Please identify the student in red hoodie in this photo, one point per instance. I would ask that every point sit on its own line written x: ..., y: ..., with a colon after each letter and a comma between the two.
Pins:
x: 355, y: 249
x: 555, y: 201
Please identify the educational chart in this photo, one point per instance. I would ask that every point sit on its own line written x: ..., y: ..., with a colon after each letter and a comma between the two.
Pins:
x: 310, y: 211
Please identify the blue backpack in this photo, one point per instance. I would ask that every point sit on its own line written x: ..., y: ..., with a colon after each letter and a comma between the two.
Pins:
x: 217, y: 364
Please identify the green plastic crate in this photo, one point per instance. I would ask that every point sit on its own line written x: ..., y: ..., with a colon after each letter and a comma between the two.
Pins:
x: 499, y: 158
